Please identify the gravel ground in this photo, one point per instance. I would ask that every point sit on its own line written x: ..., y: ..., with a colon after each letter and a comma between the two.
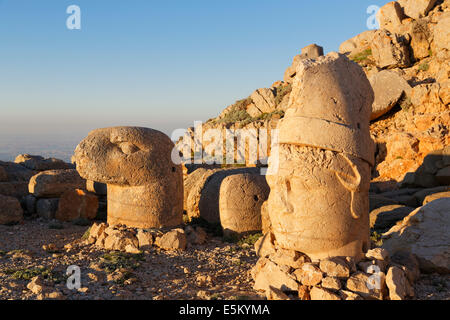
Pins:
x: 215, y: 270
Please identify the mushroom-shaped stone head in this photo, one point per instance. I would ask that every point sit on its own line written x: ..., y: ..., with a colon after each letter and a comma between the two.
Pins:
x: 145, y: 188
x: 130, y: 156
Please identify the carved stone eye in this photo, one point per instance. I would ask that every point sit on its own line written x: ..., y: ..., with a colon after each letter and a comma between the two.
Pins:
x: 128, y: 148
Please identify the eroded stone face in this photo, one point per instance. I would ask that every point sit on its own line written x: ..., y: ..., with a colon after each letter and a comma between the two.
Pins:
x: 319, y: 202
x: 145, y: 188
x: 320, y: 176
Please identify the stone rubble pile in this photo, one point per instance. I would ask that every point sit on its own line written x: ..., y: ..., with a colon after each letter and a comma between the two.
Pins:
x: 296, y: 276
x: 135, y: 240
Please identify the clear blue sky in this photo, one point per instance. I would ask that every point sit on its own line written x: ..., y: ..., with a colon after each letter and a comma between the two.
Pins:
x: 160, y: 64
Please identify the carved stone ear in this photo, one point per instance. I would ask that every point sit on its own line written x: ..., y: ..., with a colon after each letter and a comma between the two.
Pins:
x: 351, y: 182
x: 348, y: 173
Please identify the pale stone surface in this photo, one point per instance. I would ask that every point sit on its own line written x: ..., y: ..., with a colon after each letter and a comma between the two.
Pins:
x: 331, y: 283
x: 265, y: 245
x: 441, y: 32
x: 388, y: 88
x: 390, y: 16
x: 418, y: 8
x: 357, y: 44
x: 348, y: 295
x: 76, y: 204
x: 309, y: 274
x: 145, y: 188
x: 53, y: 183
x: 313, y: 51
x: 264, y: 100
x: 425, y: 232
x: 10, y: 210
x: 240, y: 200
x: 390, y: 50
x: 323, y: 294
x: 397, y: 283
x: 335, y: 267
x: 319, y: 182
x: 378, y: 254
x: 266, y: 274
x: 172, y: 240
x: 39, y: 163
x: 145, y: 239
x: 275, y: 294
x: 362, y: 284
x: 290, y: 258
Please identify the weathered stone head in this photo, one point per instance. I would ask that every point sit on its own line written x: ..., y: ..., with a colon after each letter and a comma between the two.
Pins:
x: 320, y: 179
x: 145, y: 188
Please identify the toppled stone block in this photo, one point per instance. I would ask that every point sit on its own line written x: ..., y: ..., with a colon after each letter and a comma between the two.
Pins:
x: 76, y: 204
x: 53, y: 183
x: 240, y: 200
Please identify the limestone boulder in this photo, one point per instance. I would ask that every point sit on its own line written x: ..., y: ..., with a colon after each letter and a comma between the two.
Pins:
x: 390, y: 16
x: 10, y: 210
x: 390, y: 50
x: 172, y: 240
x: 264, y: 100
x: 240, y: 200
x: 371, y: 287
x: 313, y: 51
x: 323, y: 294
x: 425, y: 234
x: 76, y: 204
x: 417, y: 9
x: 145, y: 185
x: 145, y: 239
x: 53, y: 183
x: 39, y: 163
x: 309, y: 274
x: 398, y: 284
x: 266, y: 274
x: 388, y: 88
x: 441, y: 33
x: 357, y: 44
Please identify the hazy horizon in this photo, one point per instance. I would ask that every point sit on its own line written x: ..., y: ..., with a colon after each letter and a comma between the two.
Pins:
x: 161, y: 65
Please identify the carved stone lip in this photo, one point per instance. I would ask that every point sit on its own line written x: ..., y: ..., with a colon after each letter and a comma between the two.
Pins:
x: 309, y: 131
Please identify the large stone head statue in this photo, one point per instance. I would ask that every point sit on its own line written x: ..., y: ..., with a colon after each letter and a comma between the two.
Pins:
x: 320, y: 176
x: 145, y: 188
